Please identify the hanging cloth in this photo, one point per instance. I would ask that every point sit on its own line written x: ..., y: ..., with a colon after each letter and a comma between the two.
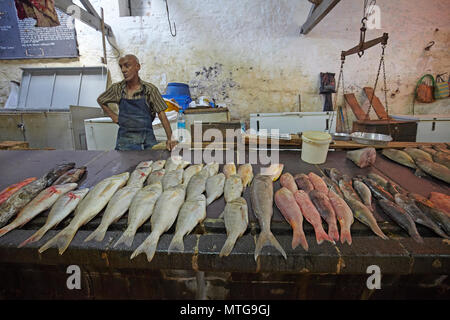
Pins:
x: 42, y: 10
x: 327, y: 87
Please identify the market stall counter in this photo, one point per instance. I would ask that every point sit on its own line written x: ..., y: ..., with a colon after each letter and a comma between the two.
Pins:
x: 409, y: 269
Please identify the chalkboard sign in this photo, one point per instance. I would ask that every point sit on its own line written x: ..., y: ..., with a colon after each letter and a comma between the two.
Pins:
x: 20, y: 39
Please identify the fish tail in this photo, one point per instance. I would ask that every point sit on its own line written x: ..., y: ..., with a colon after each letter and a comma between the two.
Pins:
x: 176, y: 244
x: 228, y: 246
x: 61, y: 240
x: 127, y: 238
x: 148, y: 247
x: 298, y: 237
x: 346, y: 236
x: 376, y: 229
x: 321, y: 236
x: 266, y: 237
x: 98, y: 234
x: 210, y: 200
x: 416, y: 236
x: 333, y: 232
x: 35, y: 237
x: 6, y: 229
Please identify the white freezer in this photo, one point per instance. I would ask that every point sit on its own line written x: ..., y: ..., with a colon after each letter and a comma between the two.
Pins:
x: 293, y: 122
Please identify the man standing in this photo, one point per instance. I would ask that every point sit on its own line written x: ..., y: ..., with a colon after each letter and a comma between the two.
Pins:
x: 139, y: 102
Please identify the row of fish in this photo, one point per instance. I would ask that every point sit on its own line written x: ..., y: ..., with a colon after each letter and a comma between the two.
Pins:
x: 401, y: 206
x: 26, y: 199
x: 434, y: 161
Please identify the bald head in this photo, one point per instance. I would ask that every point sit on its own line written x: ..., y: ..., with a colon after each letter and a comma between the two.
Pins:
x: 131, y: 57
x: 130, y: 66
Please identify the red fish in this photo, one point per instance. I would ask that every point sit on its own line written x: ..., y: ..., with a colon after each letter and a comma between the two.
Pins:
x: 8, y: 191
x: 311, y: 215
x: 285, y: 201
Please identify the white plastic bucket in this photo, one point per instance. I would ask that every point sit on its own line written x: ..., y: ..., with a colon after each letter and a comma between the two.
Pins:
x: 315, y: 146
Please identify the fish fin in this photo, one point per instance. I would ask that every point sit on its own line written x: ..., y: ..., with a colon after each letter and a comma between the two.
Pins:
x: 5, y: 230
x: 228, y: 246
x: 127, y: 238
x: 376, y: 229
x: 333, y: 232
x: 176, y: 244
x: 346, y: 236
x: 417, y: 238
x: 98, y: 234
x: 267, y: 238
x: 61, y: 240
x: 298, y: 237
x: 35, y: 237
x: 321, y: 236
x: 420, y: 173
x: 148, y: 247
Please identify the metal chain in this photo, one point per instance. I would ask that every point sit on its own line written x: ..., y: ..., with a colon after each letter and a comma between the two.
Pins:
x: 341, y: 75
x: 376, y: 82
x: 385, y: 96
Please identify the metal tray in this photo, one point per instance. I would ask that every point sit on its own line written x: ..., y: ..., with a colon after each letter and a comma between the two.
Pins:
x: 341, y: 136
x: 371, y: 138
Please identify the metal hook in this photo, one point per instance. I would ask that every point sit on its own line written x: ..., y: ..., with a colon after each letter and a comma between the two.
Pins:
x: 430, y: 44
x: 170, y: 25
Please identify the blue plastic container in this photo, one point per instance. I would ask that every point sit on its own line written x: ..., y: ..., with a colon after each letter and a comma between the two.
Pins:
x: 183, y: 101
x: 178, y: 89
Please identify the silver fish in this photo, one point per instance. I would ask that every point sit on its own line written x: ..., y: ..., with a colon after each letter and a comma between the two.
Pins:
x: 163, y: 217
x: 140, y: 174
x: 87, y: 209
x: 212, y: 168
x: 156, y: 176
x: 214, y: 187
x: 190, y: 171
x: 116, y: 208
x: 175, y: 162
x: 364, y: 192
x: 192, y: 212
x: 235, y: 216
x: 229, y: 169
x: 197, y: 184
x: 172, y: 178
x: 140, y: 210
x: 233, y: 188
x: 262, y: 204
x: 158, y: 165
x: 246, y: 173
x: 60, y: 210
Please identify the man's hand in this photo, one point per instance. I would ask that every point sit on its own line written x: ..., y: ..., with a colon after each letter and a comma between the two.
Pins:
x: 170, y: 144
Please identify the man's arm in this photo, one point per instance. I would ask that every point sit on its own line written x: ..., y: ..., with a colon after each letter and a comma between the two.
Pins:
x: 109, y: 112
x: 170, y: 144
x: 109, y: 96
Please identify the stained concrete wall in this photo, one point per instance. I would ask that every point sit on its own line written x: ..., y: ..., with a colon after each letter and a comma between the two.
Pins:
x: 250, y: 55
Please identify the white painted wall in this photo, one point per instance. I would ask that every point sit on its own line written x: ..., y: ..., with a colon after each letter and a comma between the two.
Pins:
x: 250, y: 55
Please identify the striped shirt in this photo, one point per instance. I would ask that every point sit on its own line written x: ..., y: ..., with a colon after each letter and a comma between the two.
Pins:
x: 118, y: 91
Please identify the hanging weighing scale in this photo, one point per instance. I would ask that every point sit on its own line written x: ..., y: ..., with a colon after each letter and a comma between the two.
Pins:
x: 366, y: 130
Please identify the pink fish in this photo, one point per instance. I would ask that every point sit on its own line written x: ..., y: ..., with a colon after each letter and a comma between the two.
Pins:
x: 287, y: 181
x: 285, y: 201
x: 311, y: 215
x: 344, y: 215
x: 318, y: 183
